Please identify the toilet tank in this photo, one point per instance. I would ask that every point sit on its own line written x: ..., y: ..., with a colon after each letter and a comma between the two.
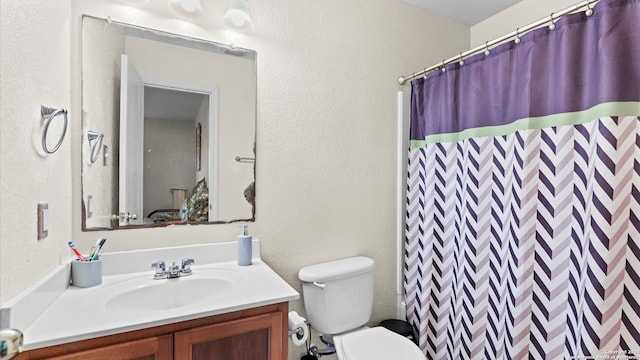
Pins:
x: 338, y: 295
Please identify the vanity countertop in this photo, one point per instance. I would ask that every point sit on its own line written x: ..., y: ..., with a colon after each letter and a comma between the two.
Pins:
x: 80, y: 313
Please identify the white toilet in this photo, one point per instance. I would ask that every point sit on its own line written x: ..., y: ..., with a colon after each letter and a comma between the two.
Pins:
x: 338, y: 298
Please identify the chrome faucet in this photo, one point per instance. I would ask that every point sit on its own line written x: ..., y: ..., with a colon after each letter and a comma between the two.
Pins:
x: 185, y: 268
x: 159, y: 270
x: 174, y: 271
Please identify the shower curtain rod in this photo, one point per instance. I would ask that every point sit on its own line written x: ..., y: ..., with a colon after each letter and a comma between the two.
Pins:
x: 517, y: 33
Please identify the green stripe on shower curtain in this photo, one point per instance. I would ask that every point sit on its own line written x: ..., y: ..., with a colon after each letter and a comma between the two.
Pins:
x: 573, y: 118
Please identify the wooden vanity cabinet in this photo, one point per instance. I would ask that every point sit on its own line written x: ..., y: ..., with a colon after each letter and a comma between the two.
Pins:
x: 249, y: 338
x: 253, y: 334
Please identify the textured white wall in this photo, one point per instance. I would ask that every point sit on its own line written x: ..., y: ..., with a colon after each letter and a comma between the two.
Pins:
x: 34, y: 70
x: 327, y: 83
x: 518, y: 15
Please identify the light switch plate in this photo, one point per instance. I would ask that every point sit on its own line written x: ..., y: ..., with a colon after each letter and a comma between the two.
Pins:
x: 43, y: 220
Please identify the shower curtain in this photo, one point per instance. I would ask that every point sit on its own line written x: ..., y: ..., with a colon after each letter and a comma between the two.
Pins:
x: 523, y: 203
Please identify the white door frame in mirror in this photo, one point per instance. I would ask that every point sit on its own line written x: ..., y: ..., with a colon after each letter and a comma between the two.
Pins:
x: 213, y: 95
x: 131, y: 168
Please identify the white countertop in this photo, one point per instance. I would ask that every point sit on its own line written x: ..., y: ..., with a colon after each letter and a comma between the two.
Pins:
x: 78, y: 314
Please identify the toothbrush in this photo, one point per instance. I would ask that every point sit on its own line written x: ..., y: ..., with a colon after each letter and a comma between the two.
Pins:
x: 94, y: 250
x: 75, y: 251
x: 99, y: 243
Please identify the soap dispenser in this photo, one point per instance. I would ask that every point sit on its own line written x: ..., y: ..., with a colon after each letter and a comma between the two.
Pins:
x: 244, y: 247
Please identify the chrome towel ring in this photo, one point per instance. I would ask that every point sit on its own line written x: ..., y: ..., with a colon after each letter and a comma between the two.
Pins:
x: 95, y: 142
x: 48, y: 113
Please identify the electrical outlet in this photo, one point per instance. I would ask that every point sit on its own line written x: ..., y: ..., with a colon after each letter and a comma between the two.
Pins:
x: 43, y: 220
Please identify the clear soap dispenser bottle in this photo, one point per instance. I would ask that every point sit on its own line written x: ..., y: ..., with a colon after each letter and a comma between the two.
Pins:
x: 244, y: 247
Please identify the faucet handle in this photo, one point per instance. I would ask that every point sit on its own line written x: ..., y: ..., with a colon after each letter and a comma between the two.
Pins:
x: 159, y: 269
x: 186, y: 266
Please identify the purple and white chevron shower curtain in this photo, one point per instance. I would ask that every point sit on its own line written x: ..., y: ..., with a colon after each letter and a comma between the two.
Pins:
x: 523, y: 209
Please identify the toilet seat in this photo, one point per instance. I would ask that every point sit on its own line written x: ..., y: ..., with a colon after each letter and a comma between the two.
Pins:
x: 376, y: 343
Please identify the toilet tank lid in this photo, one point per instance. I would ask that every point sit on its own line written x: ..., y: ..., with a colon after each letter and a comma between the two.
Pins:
x: 336, y: 269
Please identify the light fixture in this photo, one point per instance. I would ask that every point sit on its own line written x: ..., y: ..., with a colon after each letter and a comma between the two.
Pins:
x: 237, y: 16
x: 186, y: 8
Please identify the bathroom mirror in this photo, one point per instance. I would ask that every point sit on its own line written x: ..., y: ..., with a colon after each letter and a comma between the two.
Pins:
x: 178, y: 118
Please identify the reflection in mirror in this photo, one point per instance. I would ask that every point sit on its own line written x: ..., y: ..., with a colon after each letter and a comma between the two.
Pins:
x: 176, y: 113
x: 95, y: 143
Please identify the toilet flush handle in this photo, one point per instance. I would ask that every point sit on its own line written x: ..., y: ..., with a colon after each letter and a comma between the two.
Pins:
x: 320, y: 285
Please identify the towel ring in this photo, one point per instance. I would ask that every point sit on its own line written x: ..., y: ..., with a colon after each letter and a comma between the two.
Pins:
x: 95, y: 143
x: 48, y: 113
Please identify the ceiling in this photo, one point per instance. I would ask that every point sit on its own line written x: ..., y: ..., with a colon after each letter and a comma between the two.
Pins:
x: 168, y: 104
x: 469, y: 12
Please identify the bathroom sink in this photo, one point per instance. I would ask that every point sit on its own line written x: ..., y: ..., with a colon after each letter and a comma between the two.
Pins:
x: 168, y: 294
x: 144, y: 294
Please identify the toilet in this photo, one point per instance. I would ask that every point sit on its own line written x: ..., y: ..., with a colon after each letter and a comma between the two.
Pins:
x: 338, y: 298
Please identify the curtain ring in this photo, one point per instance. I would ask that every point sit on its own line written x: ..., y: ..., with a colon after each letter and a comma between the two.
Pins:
x: 589, y: 10
x: 443, y: 68
x: 48, y: 113
x: 517, y: 39
x: 552, y: 26
x: 425, y: 73
x: 486, y: 49
x: 461, y: 60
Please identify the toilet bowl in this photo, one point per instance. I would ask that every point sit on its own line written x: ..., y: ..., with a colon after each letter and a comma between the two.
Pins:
x: 338, y: 299
x: 376, y: 343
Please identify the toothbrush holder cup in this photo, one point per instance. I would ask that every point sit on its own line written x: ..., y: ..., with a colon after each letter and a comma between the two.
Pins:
x: 86, y: 273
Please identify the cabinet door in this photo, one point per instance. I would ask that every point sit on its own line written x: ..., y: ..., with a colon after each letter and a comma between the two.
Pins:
x: 257, y: 337
x: 155, y: 348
